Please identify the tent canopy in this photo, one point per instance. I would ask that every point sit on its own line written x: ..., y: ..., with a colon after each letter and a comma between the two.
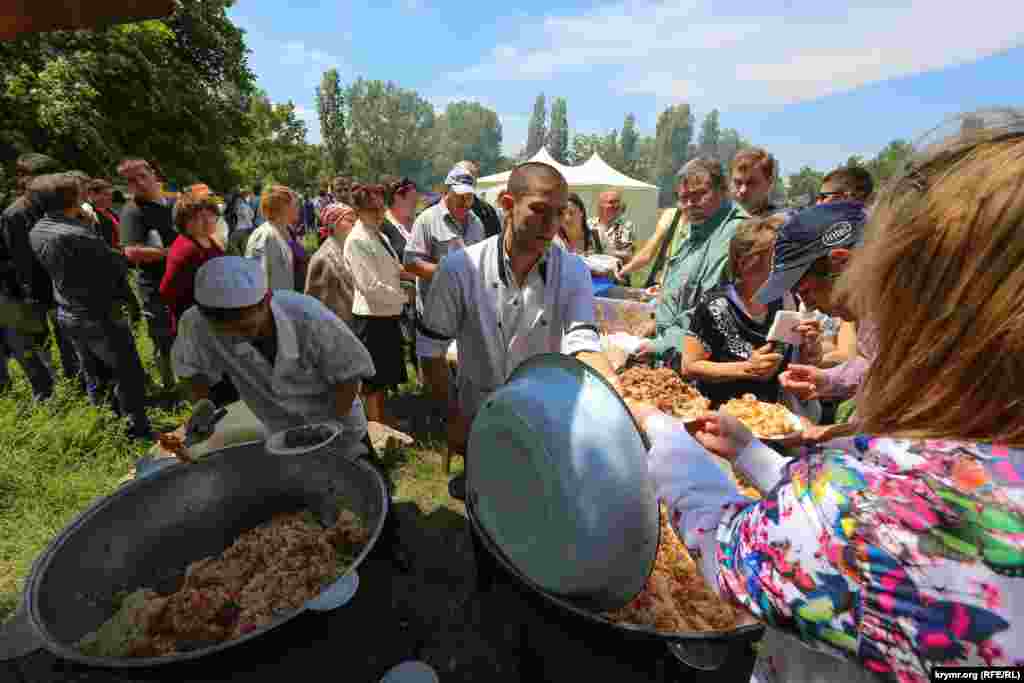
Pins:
x: 589, y: 180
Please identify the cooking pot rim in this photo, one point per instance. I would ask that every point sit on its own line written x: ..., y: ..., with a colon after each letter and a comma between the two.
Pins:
x: 747, y: 631
x: 45, y: 559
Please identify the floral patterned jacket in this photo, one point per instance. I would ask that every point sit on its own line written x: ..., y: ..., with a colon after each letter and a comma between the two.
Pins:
x: 899, y: 555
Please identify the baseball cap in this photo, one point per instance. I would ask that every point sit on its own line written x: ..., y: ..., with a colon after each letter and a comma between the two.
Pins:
x: 805, y: 237
x: 460, y: 180
x: 230, y: 282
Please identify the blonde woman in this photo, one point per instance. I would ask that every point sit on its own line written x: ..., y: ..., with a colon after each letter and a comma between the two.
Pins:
x: 329, y: 279
x: 901, y: 550
x: 268, y: 243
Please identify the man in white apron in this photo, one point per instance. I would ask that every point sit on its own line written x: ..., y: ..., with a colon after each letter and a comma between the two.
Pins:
x: 293, y: 361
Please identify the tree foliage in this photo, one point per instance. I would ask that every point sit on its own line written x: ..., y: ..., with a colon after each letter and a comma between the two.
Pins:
x: 672, y: 144
x: 330, y: 107
x: 391, y: 131
x: 558, y: 131
x: 629, y: 144
x: 467, y: 130
x: 275, y: 150
x: 803, y: 186
x: 729, y: 143
x: 174, y: 90
x: 710, y: 136
x: 537, y: 132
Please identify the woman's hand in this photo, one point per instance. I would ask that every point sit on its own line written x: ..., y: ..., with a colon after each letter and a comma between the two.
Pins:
x: 763, y: 363
x: 803, y: 381
x: 722, y: 434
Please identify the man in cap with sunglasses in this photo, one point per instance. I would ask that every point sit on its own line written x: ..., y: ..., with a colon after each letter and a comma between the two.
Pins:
x: 447, y: 227
x: 811, y: 252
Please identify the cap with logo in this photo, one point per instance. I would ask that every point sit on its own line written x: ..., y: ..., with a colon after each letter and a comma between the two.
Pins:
x: 805, y: 237
x: 460, y: 180
x: 230, y: 282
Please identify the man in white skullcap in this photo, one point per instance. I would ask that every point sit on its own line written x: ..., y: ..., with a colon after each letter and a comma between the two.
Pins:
x: 293, y: 361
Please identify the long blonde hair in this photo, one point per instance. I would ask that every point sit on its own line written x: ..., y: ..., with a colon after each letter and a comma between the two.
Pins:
x: 942, y: 277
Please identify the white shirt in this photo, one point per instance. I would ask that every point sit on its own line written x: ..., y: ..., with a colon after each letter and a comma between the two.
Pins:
x: 267, y: 246
x: 497, y: 325
x: 376, y: 273
x: 316, y: 351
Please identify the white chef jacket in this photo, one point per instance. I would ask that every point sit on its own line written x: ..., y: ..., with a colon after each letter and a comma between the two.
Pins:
x: 315, y: 352
x: 497, y: 325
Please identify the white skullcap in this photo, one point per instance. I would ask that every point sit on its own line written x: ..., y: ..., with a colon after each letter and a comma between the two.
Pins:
x: 230, y: 282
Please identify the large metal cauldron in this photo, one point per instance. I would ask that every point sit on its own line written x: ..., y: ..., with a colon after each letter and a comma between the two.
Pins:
x: 148, y: 531
x: 703, y: 651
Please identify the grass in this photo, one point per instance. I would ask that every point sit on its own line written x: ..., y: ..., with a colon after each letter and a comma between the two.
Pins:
x: 57, y: 457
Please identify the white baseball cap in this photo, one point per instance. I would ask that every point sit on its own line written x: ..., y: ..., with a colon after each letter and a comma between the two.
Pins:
x: 230, y: 282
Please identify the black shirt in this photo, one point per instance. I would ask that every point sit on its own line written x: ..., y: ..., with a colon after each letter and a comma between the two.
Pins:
x: 25, y: 277
x: 88, y: 276
x: 729, y: 335
x: 144, y: 224
x: 488, y: 216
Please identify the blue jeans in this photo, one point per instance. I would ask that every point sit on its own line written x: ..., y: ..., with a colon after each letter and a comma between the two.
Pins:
x: 110, y: 343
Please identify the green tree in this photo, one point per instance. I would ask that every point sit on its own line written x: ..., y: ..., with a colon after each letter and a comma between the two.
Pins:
x: 537, y: 132
x: 330, y: 106
x: 803, y: 186
x: 710, y: 136
x: 611, y: 151
x: 391, y: 131
x: 729, y: 143
x: 891, y: 161
x: 467, y: 130
x: 558, y: 131
x: 275, y: 150
x: 672, y: 148
x: 583, y: 147
x: 629, y: 142
x: 173, y: 90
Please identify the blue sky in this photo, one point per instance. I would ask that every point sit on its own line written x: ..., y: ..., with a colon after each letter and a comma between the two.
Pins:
x: 814, y: 82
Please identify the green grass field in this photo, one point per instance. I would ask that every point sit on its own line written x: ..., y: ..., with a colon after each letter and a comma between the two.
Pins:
x: 58, y: 457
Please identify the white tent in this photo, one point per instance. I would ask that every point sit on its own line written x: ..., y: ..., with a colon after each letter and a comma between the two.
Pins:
x: 589, y: 180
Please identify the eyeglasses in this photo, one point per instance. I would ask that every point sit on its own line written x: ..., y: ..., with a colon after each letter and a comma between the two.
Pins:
x: 822, y: 196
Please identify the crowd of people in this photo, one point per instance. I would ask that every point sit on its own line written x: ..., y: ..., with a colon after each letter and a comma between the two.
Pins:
x: 888, y: 541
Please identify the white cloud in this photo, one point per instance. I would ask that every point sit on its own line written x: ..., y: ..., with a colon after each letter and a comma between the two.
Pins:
x: 785, y: 51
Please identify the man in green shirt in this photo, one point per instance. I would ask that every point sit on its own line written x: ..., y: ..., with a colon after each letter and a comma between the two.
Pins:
x: 699, y: 261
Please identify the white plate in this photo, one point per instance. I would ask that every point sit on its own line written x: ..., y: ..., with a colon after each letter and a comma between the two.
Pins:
x: 601, y: 262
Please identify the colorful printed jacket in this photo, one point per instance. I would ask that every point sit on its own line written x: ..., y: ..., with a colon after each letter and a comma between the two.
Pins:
x: 899, y: 555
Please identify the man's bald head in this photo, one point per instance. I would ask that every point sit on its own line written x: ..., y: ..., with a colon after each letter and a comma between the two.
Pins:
x: 526, y: 176
x: 609, y: 206
x: 533, y: 203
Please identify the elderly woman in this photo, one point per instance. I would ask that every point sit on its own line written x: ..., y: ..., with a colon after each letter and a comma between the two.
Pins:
x: 329, y: 279
x: 269, y: 243
x: 726, y: 349
x: 378, y: 298
x: 902, y: 549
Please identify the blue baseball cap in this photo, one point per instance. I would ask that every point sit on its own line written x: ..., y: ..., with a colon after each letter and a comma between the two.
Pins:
x: 460, y: 180
x: 805, y: 237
